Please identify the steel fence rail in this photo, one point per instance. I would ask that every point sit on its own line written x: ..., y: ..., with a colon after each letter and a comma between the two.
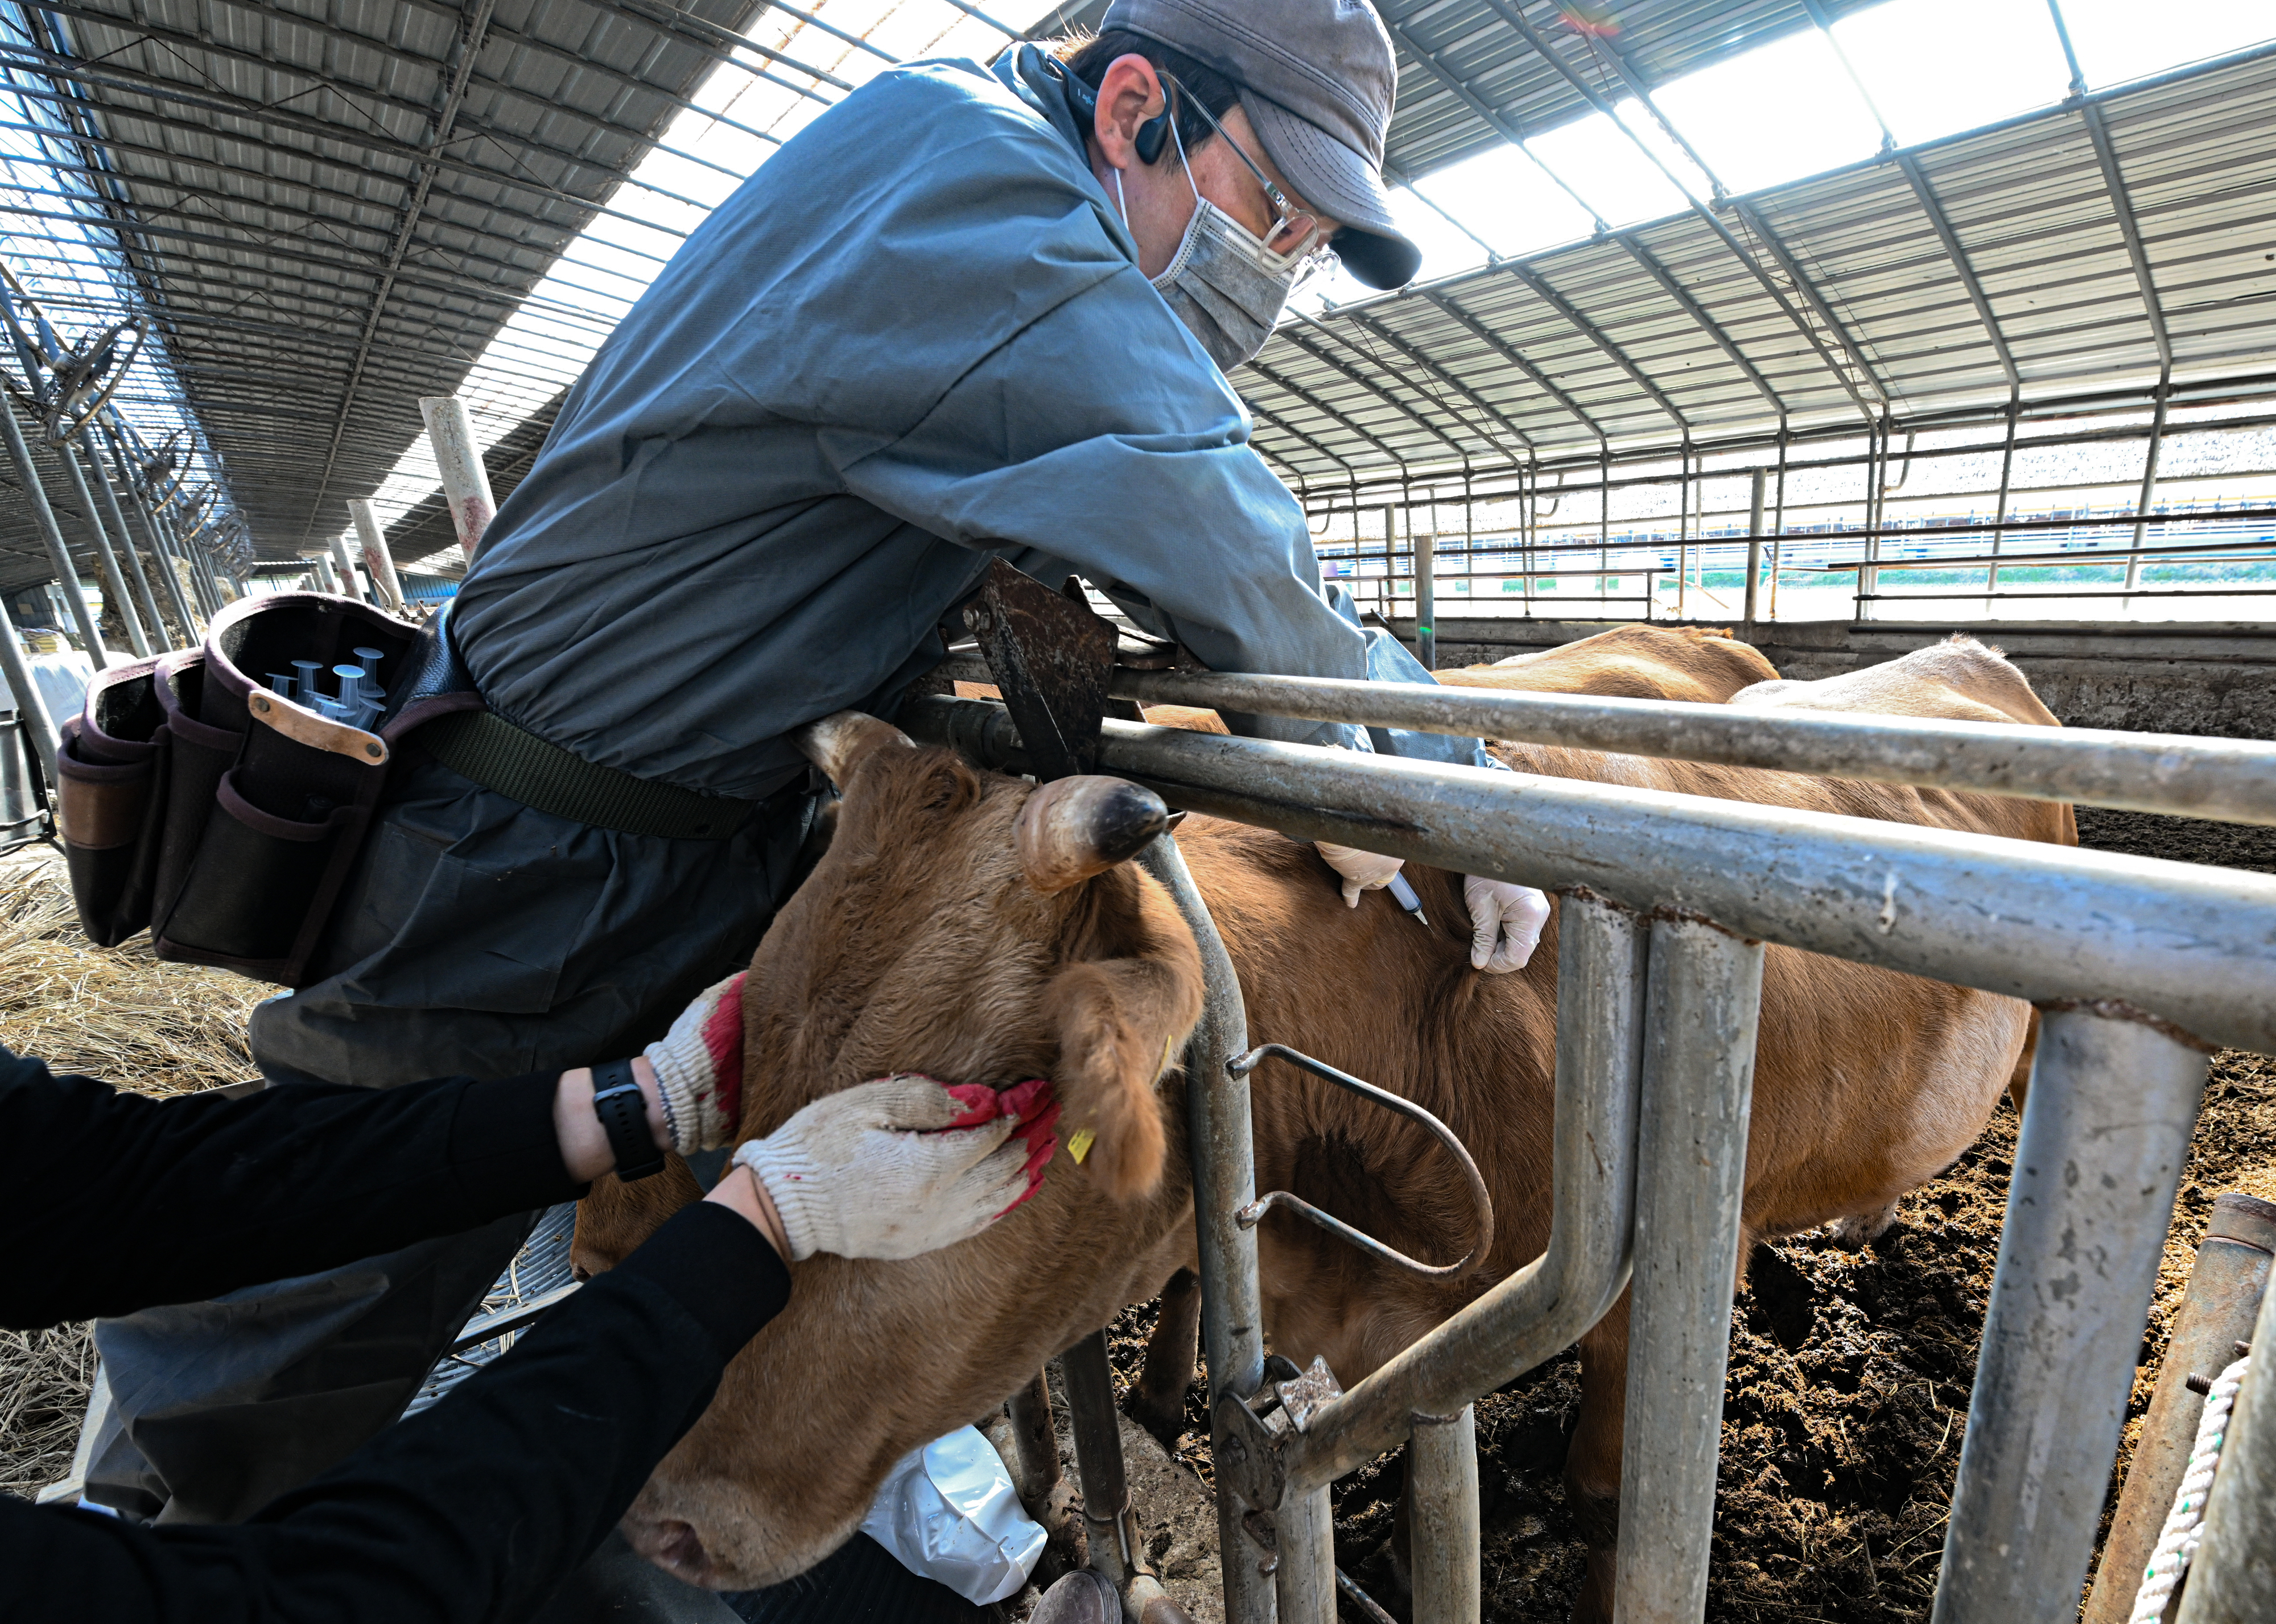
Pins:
x: 2232, y: 781
x: 2194, y: 946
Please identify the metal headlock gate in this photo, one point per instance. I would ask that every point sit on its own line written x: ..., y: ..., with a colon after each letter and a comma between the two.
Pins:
x: 2140, y: 967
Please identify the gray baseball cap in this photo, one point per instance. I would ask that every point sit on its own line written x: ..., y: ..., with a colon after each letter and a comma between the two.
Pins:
x: 1317, y: 79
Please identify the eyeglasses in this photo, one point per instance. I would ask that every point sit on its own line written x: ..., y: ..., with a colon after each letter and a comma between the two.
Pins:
x: 1300, y: 229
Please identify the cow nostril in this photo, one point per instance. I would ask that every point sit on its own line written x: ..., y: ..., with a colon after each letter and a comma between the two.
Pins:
x: 676, y: 1546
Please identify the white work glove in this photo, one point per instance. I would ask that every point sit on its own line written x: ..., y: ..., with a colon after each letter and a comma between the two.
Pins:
x: 1362, y: 871
x: 1505, y: 922
x: 899, y: 1167
x: 699, y: 1069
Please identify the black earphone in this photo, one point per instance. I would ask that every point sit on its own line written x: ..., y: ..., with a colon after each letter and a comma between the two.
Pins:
x: 1153, y: 135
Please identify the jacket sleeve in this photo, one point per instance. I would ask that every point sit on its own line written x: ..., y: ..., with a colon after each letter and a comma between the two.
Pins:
x: 117, y: 1202
x: 470, y: 1513
x: 1100, y: 435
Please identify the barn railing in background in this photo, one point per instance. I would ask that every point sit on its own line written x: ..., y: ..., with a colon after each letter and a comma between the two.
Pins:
x: 2138, y: 965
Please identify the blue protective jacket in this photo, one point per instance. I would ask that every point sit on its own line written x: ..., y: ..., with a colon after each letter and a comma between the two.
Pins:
x: 917, y: 337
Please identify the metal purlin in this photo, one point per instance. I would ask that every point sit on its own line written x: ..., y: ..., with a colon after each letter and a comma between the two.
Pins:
x: 1288, y: 387
x: 1509, y: 353
x: 1515, y: 15
x: 1588, y: 329
x: 1814, y: 297
x: 1382, y: 393
x: 1373, y: 325
x: 1286, y: 428
x: 1692, y: 308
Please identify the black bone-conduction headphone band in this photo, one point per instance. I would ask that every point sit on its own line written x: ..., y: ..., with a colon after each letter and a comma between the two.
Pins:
x: 617, y: 1101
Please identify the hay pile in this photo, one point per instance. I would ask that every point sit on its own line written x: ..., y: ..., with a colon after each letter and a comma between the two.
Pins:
x: 119, y: 1014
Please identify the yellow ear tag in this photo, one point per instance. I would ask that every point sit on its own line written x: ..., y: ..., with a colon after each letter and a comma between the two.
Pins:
x: 1078, y: 1144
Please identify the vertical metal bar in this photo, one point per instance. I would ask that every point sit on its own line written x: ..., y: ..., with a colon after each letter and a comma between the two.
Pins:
x: 1098, y: 1456
x: 1441, y: 1489
x: 1683, y: 533
x: 1704, y: 994
x: 2149, y: 487
x: 1037, y: 1437
x: 2233, y: 1578
x: 114, y: 580
x: 2105, y: 1130
x: 327, y: 575
x: 465, y: 481
x: 1605, y: 528
x: 1778, y: 537
x: 2007, y: 478
x: 1426, y: 602
x: 116, y: 518
x: 31, y: 706
x: 1222, y: 1154
x: 1304, y: 1581
x: 28, y: 474
x: 2225, y: 1286
x: 1755, y: 546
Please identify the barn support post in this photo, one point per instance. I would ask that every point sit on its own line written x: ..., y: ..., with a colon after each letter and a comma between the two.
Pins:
x: 114, y: 579
x: 2113, y: 1098
x: 31, y: 706
x: 1754, y: 548
x: 1701, y: 1009
x: 43, y: 516
x: 2149, y: 491
x: 2233, y: 1579
x: 465, y: 481
x: 1225, y: 1180
x: 1426, y: 602
x: 1304, y: 1577
x: 115, y: 518
x: 1442, y: 1482
x: 155, y: 538
x: 376, y: 559
x: 2226, y: 1286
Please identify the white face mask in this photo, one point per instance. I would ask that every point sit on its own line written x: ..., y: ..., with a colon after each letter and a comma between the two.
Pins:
x: 1224, y: 282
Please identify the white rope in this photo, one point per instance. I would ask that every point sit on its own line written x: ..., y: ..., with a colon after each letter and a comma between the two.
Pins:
x: 2185, y: 1524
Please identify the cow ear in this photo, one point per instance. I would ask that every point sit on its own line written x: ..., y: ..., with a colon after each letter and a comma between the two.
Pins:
x: 839, y: 741
x: 1121, y: 1024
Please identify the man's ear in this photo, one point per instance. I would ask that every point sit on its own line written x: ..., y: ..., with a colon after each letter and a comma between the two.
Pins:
x: 1121, y: 1024
x: 1130, y: 93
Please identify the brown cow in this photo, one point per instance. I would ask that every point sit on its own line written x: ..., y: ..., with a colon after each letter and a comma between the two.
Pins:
x: 920, y: 943
x: 1703, y: 665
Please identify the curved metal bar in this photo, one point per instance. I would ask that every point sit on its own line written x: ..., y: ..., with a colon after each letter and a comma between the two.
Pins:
x: 1253, y: 1214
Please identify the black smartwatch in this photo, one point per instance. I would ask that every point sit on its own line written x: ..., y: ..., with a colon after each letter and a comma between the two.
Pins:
x: 617, y: 1101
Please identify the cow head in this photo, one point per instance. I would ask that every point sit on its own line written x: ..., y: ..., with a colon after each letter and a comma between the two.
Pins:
x: 979, y: 929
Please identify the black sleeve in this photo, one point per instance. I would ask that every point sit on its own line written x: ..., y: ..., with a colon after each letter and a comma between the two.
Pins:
x: 113, y: 1202
x: 469, y: 1513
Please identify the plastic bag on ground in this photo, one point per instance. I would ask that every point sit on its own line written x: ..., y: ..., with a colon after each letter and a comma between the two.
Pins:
x: 948, y: 1511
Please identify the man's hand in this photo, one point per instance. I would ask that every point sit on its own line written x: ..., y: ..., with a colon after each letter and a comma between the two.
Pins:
x: 1505, y: 922
x: 1362, y: 871
x: 899, y: 1167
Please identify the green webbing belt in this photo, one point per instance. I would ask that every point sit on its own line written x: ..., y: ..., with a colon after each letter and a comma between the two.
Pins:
x: 522, y: 766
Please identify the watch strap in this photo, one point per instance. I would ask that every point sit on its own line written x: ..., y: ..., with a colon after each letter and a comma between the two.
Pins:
x: 623, y: 1113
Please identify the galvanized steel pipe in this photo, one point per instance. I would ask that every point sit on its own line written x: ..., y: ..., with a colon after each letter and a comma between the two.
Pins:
x: 1442, y: 1501
x: 1222, y: 1151
x: 44, y: 518
x: 2195, y: 946
x: 2106, y: 1131
x: 465, y: 481
x: 1691, y: 1180
x: 2230, y: 780
x: 31, y: 704
x: 377, y: 558
x: 116, y: 518
x: 114, y: 580
x: 1547, y: 1305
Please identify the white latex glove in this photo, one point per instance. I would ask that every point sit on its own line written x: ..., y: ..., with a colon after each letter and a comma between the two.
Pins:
x: 1505, y: 922
x: 1362, y: 871
x: 897, y: 1167
x: 699, y: 1069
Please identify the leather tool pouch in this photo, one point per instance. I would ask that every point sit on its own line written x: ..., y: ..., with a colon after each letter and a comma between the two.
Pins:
x: 222, y: 815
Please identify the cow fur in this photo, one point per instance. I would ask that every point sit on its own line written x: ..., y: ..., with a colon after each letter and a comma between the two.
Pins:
x: 914, y: 946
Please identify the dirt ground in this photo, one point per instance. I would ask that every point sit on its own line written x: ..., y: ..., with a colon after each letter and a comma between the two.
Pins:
x: 1849, y: 1373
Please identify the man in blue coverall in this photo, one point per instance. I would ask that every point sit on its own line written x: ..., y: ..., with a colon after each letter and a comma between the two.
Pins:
x: 969, y: 312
